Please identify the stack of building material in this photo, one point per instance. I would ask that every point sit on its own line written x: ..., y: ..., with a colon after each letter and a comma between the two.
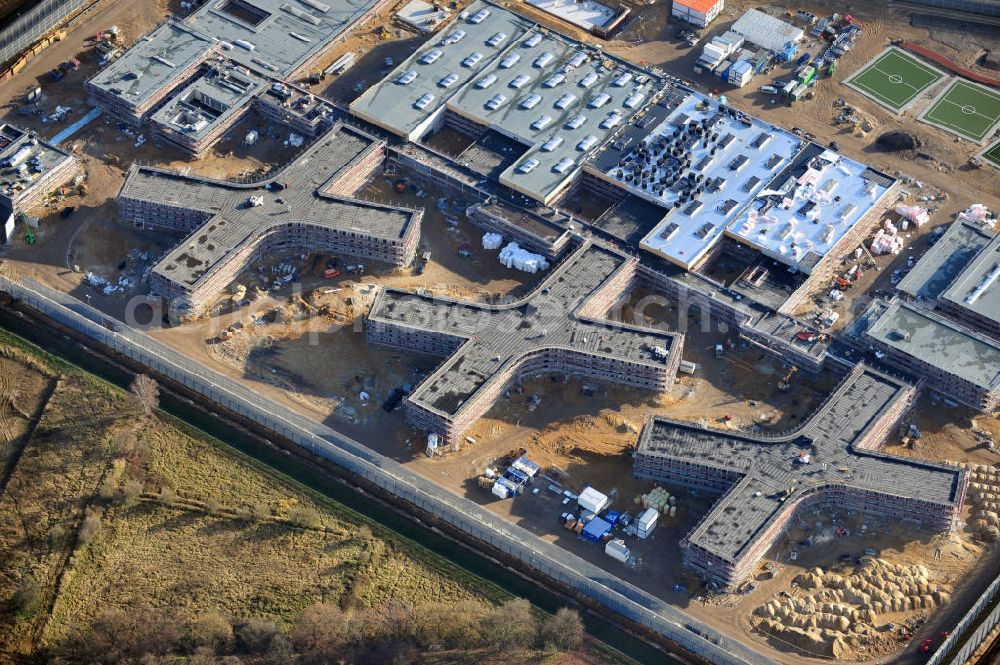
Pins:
x: 913, y: 214
x: 492, y: 240
x: 513, y: 256
x: 977, y: 212
x: 887, y: 241
x: 658, y: 499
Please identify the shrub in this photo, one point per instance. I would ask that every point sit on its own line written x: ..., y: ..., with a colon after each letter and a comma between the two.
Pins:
x: 255, y: 635
x: 211, y: 633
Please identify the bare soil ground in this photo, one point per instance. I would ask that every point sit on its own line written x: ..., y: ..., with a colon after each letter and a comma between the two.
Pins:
x: 586, y: 438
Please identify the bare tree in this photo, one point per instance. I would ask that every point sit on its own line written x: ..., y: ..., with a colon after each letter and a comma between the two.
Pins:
x: 562, y: 631
x: 212, y: 632
x: 512, y: 625
x: 146, y: 392
x: 319, y: 633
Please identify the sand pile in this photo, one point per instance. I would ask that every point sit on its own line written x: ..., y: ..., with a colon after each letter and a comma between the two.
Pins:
x: 843, y: 615
x: 984, y: 498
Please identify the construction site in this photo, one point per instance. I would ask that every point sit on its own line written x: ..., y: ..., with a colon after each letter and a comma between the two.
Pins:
x: 722, y: 344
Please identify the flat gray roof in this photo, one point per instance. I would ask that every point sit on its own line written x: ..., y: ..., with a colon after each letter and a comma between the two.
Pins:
x: 272, y: 37
x: 230, y: 222
x: 768, y: 473
x: 939, y: 342
x: 156, y: 61
x: 489, y: 338
x: 284, y: 33
x: 25, y: 159
x: 532, y: 77
x: 977, y: 287
x: 940, y: 264
x: 390, y: 104
x: 209, y: 100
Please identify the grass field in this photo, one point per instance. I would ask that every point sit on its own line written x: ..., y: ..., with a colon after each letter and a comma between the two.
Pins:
x: 894, y: 79
x: 107, y: 510
x: 992, y: 154
x: 966, y: 109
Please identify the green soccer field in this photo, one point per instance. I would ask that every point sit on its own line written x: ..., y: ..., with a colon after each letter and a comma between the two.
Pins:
x: 894, y: 79
x: 966, y: 109
x: 992, y: 155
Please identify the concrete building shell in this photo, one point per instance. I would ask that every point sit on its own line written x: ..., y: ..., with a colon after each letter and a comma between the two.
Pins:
x: 764, y: 482
x: 305, y: 206
x: 556, y: 329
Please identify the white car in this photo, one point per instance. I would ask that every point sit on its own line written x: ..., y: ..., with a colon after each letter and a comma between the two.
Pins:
x: 554, y: 80
x: 431, y: 56
x: 531, y: 101
x: 407, y: 78
x: 519, y: 81
x: 577, y: 60
x: 479, y: 16
x: 509, y: 61
x: 542, y: 122
x: 497, y: 39
x: 600, y: 100
x: 587, y: 143
x: 455, y: 37
x: 565, y: 100
x: 564, y: 164
x: 622, y: 80
x: 486, y: 81
x: 633, y: 100
x: 544, y: 59
x: 552, y: 144
x: 495, y: 102
x: 613, y: 119
x: 473, y: 59
x: 424, y: 101
x: 528, y: 166
x: 448, y: 80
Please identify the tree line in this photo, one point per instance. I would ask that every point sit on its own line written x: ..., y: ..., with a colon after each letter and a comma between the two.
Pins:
x: 324, y: 633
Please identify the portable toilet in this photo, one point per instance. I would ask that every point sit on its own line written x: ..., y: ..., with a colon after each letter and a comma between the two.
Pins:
x: 433, y: 440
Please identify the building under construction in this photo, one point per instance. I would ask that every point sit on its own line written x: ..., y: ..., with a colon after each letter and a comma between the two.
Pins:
x: 190, y: 80
x: 945, y: 325
x: 557, y: 329
x: 307, y: 206
x: 831, y: 460
x: 30, y: 169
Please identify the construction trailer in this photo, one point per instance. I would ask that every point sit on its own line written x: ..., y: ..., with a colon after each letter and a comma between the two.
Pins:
x: 646, y: 522
x: 594, y: 501
x: 616, y: 549
x: 698, y: 13
x: 596, y: 529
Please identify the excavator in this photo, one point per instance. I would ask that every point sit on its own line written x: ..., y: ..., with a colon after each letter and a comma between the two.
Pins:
x: 786, y: 382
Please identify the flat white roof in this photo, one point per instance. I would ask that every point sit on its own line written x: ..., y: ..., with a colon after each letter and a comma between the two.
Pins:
x: 800, y: 220
x: 766, y: 31
x: 740, y: 157
x: 586, y: 14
